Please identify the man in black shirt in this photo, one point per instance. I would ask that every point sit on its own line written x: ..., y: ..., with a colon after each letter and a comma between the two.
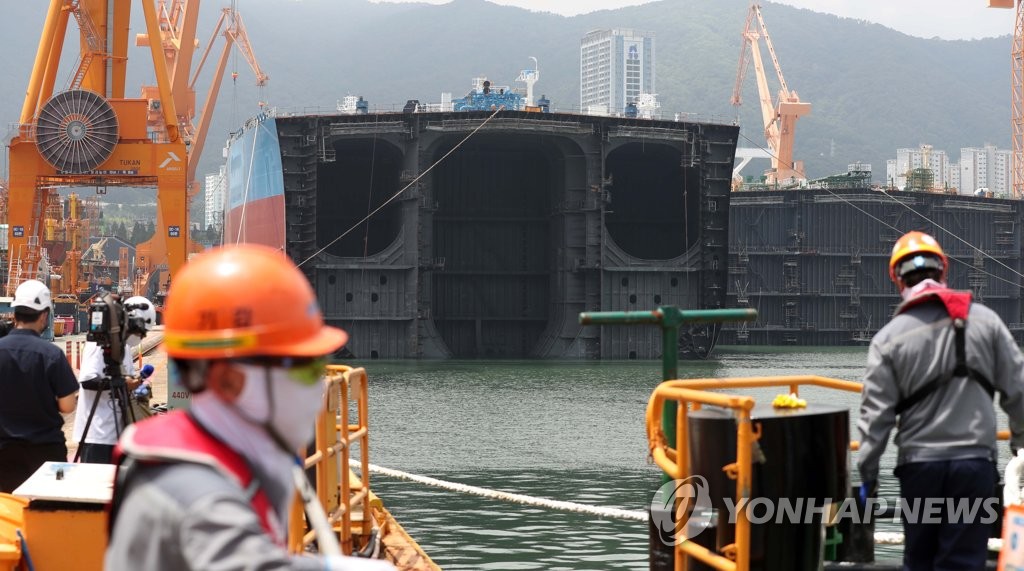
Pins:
x: 36, y: 386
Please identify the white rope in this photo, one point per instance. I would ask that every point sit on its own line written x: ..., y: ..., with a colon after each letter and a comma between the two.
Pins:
x: 888, y: 538
x: 881, y: 537
x: 612, y: 513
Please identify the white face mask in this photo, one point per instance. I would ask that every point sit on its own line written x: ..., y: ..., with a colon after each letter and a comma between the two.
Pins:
x: 293, y: 410
x: 909, y: 292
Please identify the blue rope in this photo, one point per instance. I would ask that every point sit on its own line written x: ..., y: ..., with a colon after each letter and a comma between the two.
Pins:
x: 24, y: 551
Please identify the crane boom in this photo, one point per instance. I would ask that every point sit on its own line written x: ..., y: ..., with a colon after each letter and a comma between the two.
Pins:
x: 771, y: 51
x: 234, y: 34
x: 741, y: 71
x: 178, y: 41
x: 779, y: 118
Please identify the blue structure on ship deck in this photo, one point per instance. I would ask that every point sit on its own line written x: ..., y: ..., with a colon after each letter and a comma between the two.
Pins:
x: 485, y: 98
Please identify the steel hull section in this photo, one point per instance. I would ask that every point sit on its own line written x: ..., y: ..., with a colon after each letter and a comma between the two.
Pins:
x: 425, y: 242
x: 254, y: 206
x: 814, y: 262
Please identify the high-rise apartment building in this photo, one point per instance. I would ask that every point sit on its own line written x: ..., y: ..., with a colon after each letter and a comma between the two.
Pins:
x: 616, y: 66
x: 216, y: 189
x: 985, y: 168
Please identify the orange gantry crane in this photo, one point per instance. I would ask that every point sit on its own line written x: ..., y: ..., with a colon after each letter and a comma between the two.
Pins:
x: 1017, y: 97
x: 779, y: 117
x: 90, y: 134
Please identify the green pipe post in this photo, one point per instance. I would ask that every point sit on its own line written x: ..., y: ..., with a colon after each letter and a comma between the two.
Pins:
x: 669, y: 318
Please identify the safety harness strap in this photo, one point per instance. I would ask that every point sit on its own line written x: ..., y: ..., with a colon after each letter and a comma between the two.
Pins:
x: 957, y: 304
x: 178, y: 437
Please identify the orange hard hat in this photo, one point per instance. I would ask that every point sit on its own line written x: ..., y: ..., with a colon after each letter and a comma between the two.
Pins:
x: 911, y: 244
x: 242, y: 301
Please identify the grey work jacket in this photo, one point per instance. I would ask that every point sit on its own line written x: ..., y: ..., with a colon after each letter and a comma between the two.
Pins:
x: 957, y: 421
x: 188, y: 516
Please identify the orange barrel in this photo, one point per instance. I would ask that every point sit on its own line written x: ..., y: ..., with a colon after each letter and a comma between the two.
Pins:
x: 802, y: 464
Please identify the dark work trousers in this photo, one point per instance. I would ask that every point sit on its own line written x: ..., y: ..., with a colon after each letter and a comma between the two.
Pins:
x: 942, y: 542
x: 20, y: 459
x: 96, y: 453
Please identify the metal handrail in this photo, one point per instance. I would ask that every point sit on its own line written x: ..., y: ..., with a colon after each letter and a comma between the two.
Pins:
x: 340, y: 491
x: 676, y: 461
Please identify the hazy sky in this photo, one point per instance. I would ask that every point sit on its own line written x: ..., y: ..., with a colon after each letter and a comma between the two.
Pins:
x: 947, y: 19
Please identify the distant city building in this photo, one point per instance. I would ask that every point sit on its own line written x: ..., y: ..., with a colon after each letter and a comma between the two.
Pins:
x: 985, y: 168
x: 616, y: 66
x: 926, y: 157
x: 216, y: 189
x: 953, y: 176
x: 890, y: 173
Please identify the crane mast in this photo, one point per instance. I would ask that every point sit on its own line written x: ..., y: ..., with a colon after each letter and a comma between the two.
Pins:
x: 779, y: 118
x: 1016, y: 97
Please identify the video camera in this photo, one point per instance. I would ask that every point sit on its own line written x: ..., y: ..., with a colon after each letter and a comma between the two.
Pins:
x: 110, y: 325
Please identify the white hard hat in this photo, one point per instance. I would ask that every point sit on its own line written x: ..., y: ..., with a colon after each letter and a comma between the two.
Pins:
x: 32, y: 294
x: 148, y: 314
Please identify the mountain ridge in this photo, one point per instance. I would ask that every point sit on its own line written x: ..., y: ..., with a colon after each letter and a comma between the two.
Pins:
x: 872, y: 89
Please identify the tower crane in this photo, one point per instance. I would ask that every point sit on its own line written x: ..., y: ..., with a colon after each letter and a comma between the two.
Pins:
x: 780, y: 117
x: 1017, y: 97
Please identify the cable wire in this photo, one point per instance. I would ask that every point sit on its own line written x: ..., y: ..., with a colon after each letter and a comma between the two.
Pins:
x: 403, y: 189
x: 248, y: 180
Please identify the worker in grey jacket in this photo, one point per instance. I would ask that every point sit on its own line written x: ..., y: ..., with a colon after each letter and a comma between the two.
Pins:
x: 212, y: 488
x: 934, y: 370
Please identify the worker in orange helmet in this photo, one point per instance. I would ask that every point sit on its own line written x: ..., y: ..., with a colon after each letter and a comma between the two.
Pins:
x: 211, y: 488
x: 933, y: 371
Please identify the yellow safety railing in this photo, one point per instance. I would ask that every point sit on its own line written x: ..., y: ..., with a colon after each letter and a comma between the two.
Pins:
x: 344, y: 494
x: 676, y: 461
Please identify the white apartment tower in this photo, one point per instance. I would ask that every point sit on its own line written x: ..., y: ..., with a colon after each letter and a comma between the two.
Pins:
x: 616, y: 66
x: 985, y: 168
x: 216, y: 189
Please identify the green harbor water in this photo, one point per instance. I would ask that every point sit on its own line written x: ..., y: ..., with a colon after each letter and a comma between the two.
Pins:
x: 571, y: 431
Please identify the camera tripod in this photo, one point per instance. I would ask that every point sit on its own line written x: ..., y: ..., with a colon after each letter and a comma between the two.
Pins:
x: 120, y: 401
